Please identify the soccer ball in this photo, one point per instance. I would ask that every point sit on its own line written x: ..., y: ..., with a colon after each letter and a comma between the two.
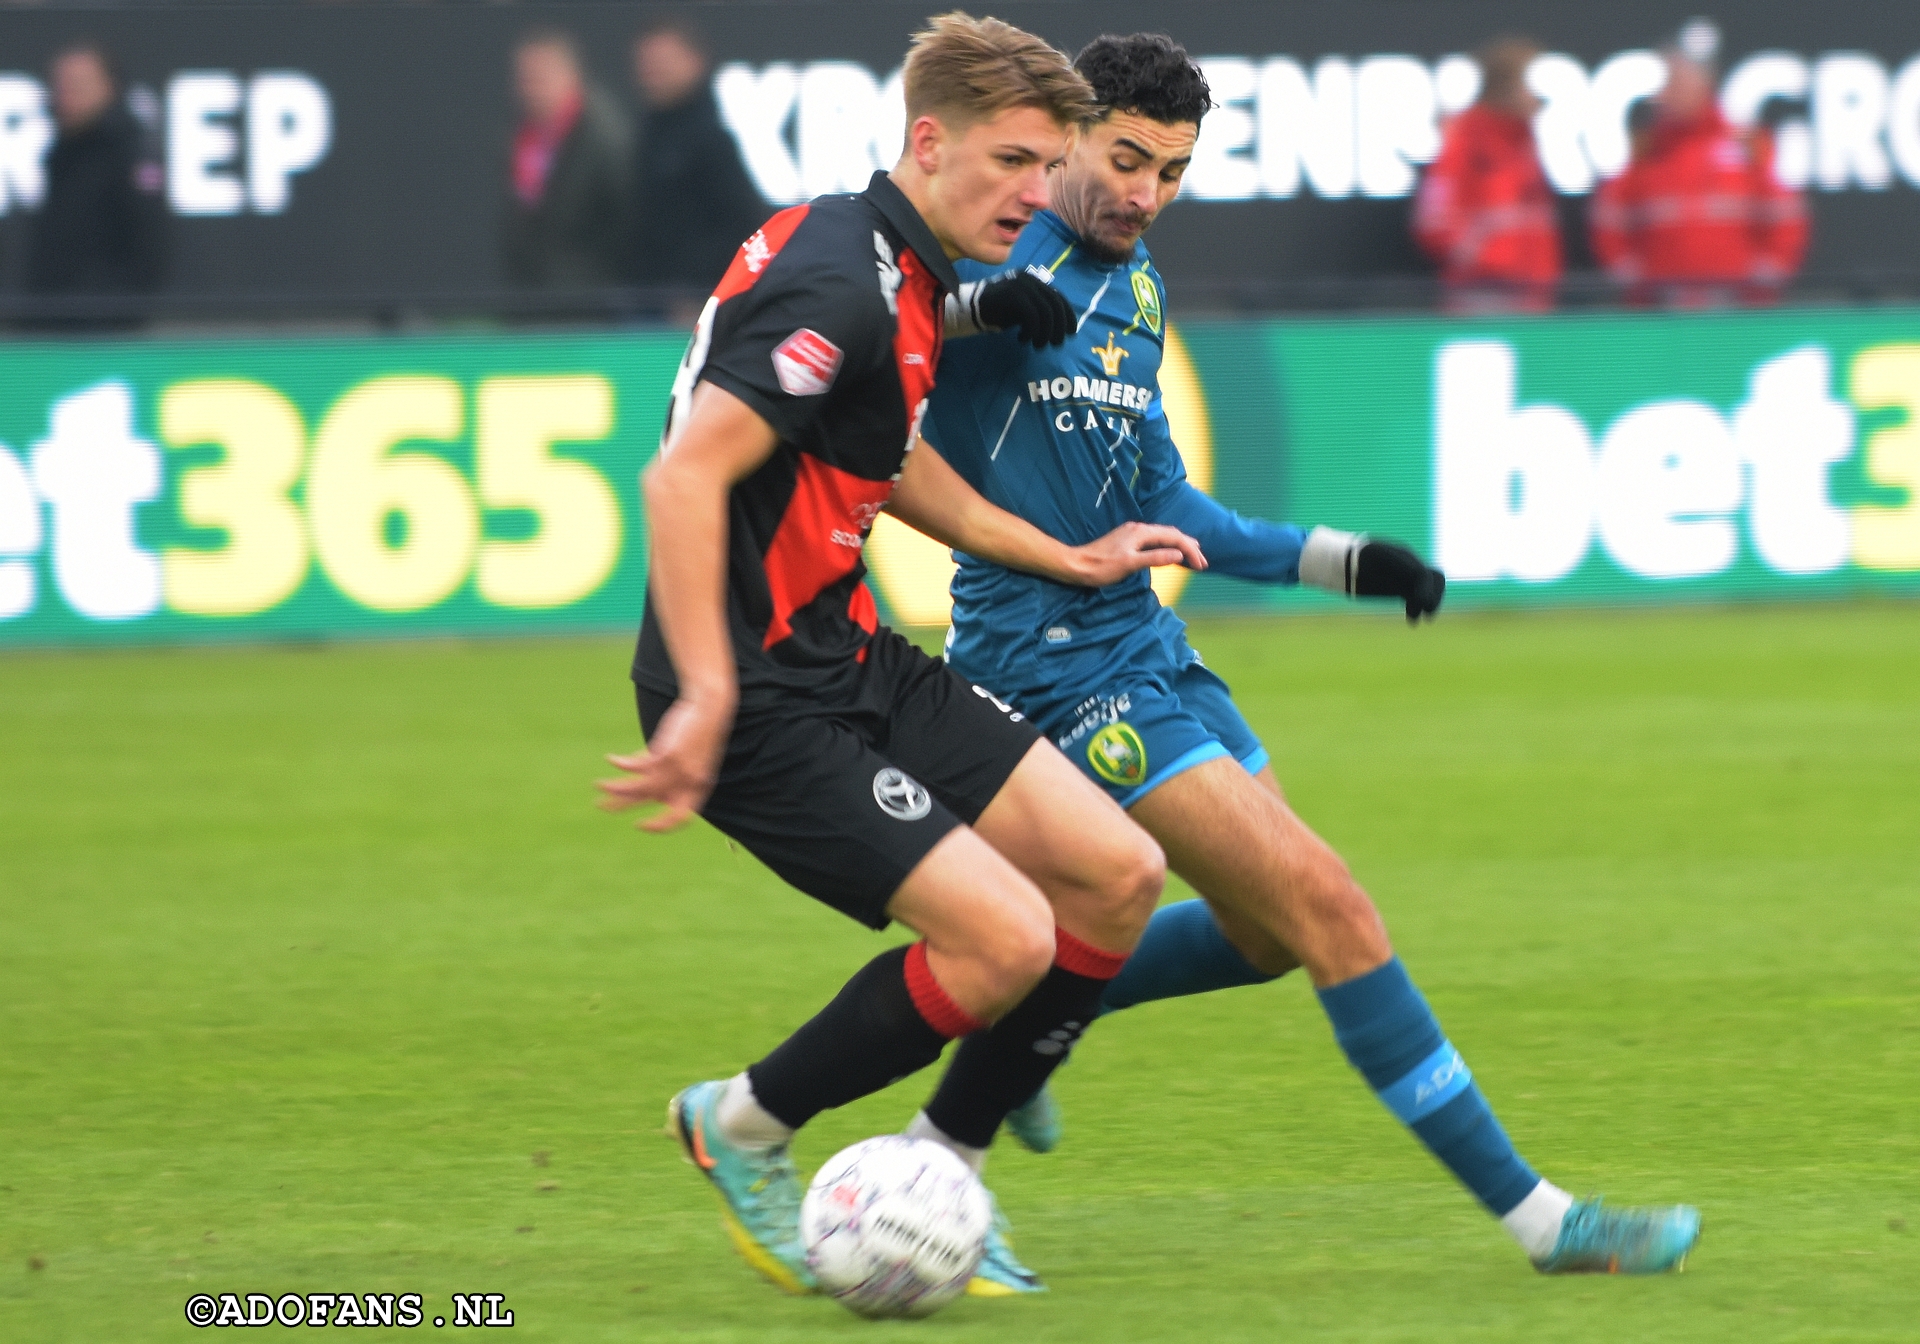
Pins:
x: 895, y: 1226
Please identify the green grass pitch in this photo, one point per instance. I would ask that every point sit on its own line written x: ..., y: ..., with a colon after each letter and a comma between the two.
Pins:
x: 318, y: 971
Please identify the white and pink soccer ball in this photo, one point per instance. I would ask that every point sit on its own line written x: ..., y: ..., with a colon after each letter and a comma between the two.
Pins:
x: 895, y: 1226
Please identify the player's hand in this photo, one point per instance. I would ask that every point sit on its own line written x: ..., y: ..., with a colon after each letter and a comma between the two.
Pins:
x: 1028, y: 303
x: 1131, y: 547
x: 1388, y: 569
x: 679, y: 767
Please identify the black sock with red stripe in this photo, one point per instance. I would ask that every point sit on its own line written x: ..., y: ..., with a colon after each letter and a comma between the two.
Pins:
x: 996, y: 1070
x: 890, y: 1020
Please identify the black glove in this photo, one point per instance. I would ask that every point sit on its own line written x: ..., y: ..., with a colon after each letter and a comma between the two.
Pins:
x: 1388, y: 569
x: 1024, y: 300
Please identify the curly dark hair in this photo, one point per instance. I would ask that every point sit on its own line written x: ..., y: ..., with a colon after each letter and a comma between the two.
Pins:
x: 1145, y: 73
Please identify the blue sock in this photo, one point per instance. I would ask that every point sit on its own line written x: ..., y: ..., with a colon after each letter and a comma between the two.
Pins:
x: 1391, y: 1037
x: 1182, y: 952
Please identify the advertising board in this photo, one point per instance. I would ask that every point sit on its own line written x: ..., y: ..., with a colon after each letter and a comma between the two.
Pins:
x: 1619, y: 458
x: 176, y: 492
x: 158, y: 492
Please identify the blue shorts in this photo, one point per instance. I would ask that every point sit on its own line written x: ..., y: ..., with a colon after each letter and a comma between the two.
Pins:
x: 1136, y: 731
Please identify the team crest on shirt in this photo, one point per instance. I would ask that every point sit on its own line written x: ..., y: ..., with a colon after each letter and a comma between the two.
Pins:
x: 1117, y: 755
x: 1146, y: 296
x: 805, y: 363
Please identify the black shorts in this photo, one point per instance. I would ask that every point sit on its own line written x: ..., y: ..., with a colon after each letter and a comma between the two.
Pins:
x: 843, y: 800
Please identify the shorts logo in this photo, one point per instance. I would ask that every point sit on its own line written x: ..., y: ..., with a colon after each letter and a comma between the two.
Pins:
x: 805, y: 363
x: 1091, y: 713
x: 900, y: 796
x: 1118, y: 755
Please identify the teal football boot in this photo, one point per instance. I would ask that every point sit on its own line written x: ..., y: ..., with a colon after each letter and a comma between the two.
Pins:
x: 1037, y: 1124
x: 1598, y: 1240
x: 1000, y: 1274
x: 759, y: 1189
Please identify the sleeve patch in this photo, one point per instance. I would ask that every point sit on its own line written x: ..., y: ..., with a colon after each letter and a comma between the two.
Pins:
x: 805, y: 363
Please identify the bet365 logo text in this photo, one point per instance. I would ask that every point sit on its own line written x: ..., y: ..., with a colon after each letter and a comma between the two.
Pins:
x: 1669, y: 489
x: 403, y: 490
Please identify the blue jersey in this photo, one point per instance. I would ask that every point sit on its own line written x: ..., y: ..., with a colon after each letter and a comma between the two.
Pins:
x: 1073, y: 439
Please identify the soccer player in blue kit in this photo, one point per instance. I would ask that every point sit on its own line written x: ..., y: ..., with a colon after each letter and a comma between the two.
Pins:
x: 1074, y: 439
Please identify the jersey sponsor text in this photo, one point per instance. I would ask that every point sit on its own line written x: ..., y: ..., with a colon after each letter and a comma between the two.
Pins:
x: 1108, y: 392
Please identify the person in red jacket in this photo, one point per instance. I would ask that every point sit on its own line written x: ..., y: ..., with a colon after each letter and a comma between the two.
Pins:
x: 1698, y: 218
x: 1484, y: 210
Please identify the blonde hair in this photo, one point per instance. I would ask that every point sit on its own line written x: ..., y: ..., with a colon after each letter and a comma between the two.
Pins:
x: 963, y: 70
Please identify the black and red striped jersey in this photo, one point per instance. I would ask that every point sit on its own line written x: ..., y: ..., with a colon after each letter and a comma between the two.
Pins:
x: 828, y: 324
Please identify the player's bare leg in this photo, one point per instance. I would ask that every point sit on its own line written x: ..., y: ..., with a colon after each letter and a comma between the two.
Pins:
x: 1102, y: 875
x: 1279, y: 891
x: 1189, y: 947
x: 988, y: 938
x: 1248, y: 933
x: 987, y: 927
x: 1282, y: 892
x: 1093, y: 862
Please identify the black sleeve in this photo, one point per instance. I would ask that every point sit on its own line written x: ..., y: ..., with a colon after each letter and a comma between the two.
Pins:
x: 802, y: 331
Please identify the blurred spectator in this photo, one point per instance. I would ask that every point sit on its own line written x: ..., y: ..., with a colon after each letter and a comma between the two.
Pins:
x: 566, y: 213
x: 1484, y: 210
x: 101, y: 229
x: 1698, y: 218
x: 694, y: 203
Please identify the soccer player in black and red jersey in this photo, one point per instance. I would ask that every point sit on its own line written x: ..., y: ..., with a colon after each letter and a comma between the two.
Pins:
x: 862, y: 771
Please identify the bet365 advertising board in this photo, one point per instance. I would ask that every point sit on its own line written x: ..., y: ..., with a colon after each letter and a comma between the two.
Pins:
x: 317, y: 488
x: 307, y: 488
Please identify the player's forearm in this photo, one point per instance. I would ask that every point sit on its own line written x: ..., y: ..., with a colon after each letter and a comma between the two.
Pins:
x: 961, y: 519
x: 1246, y: 548
x: 687, y: 520
x: 935, y: 499
x: 992, y: 534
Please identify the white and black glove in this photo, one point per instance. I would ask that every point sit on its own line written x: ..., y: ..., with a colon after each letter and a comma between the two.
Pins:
x: 1358, y: 566
x: 1025, y: 301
